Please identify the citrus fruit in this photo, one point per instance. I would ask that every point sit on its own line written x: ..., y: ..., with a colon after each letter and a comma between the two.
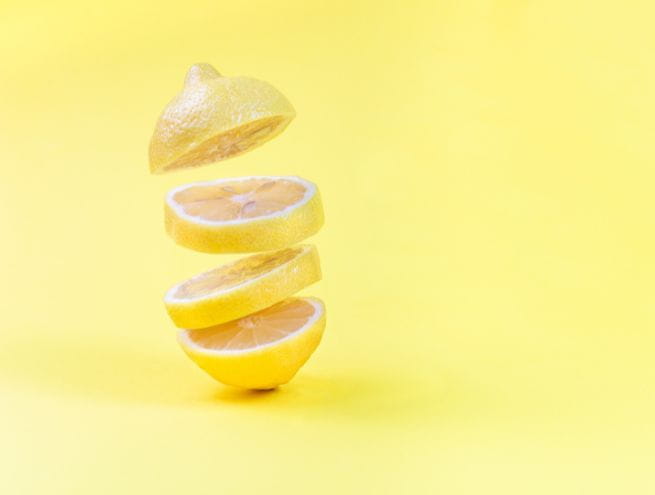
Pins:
x: 242, y: 287
x: 216, y: 117
x: 242, y: 215
x: 262, y: 350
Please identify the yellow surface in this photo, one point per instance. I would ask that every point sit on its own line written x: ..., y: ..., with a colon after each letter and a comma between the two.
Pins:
x: 487, y: 171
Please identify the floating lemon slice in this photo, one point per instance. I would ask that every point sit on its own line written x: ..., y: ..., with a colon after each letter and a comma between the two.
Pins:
x: 242, y: 215
x: 214, y: 118
x: 262, y: 350
x: 242, y: 287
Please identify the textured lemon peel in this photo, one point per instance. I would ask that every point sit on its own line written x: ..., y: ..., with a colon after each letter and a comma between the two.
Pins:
x: 214, y: 118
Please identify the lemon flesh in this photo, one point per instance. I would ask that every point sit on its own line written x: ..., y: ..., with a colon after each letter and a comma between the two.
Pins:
x: 243, y: 215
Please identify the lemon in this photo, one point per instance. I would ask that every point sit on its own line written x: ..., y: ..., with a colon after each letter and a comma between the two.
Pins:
x: 216, y: 117
x: 245, y: 214
x: 262, y: 350
x: 242, y: 287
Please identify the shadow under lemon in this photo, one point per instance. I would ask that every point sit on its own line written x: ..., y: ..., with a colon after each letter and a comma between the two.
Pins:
x: 96, y: 369
x: 359, y: 395
x: 105, y: 370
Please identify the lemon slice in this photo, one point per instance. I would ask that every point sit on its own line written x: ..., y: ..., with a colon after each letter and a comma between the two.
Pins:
x: 262, y: 350
x: 216, y: 117
x: 242, y: 215
x: 242, y: 287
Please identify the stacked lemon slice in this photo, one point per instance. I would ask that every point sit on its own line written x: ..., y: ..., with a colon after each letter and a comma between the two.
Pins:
x: 238, y: 321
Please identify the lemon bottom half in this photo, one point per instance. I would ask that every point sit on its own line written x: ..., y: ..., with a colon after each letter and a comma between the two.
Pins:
x: 261, y: 368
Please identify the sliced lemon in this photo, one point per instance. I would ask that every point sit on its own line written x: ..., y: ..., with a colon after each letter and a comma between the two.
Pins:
x: 242, y: 215
x: 262, y: 350
x: 242, y: 287
x: 216, y: 117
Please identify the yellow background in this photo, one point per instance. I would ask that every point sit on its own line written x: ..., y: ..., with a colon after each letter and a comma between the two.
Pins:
x: 487, y: 173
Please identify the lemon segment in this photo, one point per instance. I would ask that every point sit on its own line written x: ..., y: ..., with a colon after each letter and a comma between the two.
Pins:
x: 214, y: 118
x: 242, y: 287
x: 262, y: 350
x: 243, y: 215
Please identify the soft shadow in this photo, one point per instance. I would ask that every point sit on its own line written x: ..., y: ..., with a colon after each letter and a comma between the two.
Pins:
x: 103, y: 370
x: 362, y: 395
x: 98, y: 369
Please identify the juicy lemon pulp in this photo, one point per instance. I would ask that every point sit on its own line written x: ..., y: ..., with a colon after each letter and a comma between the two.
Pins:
x: 240, y: 199
x: 243, y: 214
x: 230, y: 143
x: 229, y: 276
x: 265, y: 327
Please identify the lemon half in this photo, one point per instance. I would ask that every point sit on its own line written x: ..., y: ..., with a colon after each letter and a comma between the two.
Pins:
x: 262, y: 350
x: 214, y: 118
